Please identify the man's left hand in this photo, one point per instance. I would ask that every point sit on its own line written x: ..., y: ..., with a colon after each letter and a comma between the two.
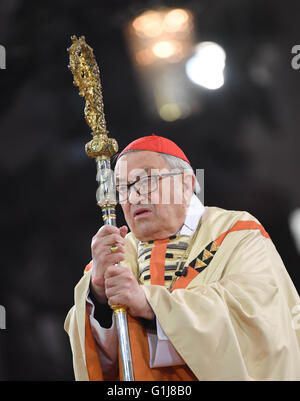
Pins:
x: 121, y: 287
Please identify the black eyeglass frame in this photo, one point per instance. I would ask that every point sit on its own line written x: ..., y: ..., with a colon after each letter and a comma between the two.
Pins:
x: 156, y: 176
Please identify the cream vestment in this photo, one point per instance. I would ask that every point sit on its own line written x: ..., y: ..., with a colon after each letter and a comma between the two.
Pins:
x: 230, y: 318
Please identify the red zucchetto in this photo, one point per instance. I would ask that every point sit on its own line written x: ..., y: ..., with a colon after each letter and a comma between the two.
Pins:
x: 156, y: 143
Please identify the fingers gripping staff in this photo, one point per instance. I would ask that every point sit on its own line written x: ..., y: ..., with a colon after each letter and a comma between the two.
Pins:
x: 86, y: 75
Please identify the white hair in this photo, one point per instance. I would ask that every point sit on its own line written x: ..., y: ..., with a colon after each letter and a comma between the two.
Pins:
x: 175, y: 163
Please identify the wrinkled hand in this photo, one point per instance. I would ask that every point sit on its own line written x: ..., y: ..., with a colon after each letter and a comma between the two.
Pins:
x: 103, y: 257
x: 121, y: 287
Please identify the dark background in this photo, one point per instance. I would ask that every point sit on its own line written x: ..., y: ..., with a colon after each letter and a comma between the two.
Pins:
x: 246, y: 137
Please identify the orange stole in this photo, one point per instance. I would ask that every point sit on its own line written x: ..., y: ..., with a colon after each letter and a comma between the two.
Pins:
x: 91, y: 353
x: 140, y: 358
x: 183, y: 281
x: 157, y: 261
x: 243, y: 225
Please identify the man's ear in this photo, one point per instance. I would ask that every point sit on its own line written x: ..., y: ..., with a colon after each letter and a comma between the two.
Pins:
x: 188, y: 186
x: 188, y: 181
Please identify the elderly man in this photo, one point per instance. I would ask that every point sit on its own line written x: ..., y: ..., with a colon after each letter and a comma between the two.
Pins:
x: 208, y: 296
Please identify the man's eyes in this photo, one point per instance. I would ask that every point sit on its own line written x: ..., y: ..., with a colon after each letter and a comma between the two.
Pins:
x: 142, y: 179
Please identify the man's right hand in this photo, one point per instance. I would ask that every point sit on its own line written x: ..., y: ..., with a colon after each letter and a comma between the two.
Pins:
x: 104, y: 257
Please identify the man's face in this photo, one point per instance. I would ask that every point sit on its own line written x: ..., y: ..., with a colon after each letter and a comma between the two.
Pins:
x: 162, y: 212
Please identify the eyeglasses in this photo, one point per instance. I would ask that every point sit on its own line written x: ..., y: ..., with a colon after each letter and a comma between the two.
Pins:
x: 143, y: 186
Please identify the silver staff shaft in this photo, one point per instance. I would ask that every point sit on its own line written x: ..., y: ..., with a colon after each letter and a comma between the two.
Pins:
x: 124, y: 342
x: 106, y: 199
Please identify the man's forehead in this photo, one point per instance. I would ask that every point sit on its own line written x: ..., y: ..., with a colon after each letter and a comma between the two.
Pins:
x: 123, y: 171
x: 139, y: 163
x: 133, y: 174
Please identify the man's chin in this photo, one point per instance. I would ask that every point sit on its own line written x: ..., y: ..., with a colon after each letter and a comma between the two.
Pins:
x: 145, y: 232
x: 149, y: 234
x: 144, y: 235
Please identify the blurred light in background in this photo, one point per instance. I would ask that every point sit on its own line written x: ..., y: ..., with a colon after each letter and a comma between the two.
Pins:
x: 206, y: 67
x: 294, y: 223
x: 160, y: 42
x: 160, y: 34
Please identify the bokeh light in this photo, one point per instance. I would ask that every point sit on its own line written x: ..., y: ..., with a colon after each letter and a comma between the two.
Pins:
x: 206, y: 67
